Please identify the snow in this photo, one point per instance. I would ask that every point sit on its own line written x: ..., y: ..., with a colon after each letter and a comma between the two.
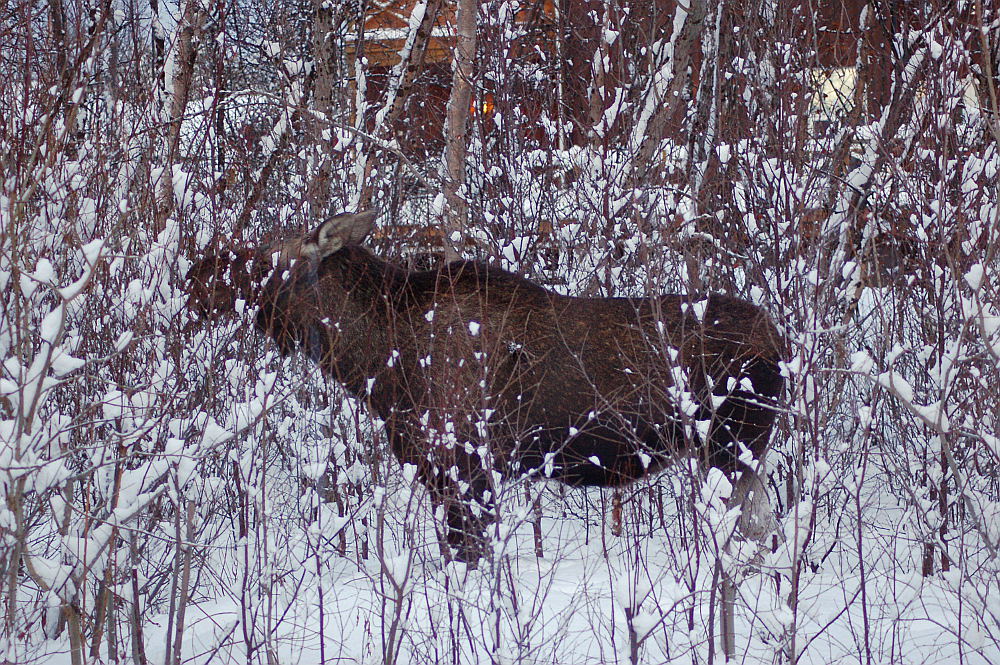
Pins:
x: 974, y: 277
x: 52, y: 325
x: 569, y: 607
x: 862, y: 362
x: 63, y: 363
x: 91, y: 252
x: 896, y: 384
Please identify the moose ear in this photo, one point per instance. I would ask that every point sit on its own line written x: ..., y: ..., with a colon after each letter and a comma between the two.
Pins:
x: 340, y: 230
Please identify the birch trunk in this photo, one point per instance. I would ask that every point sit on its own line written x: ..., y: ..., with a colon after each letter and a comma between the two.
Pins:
x: 669, y: 87
x: 988, y: 72
x: 411, y: 62
x: 456, y: 132
x: 599, y: 80
x: 185, y: 53
x: 57, y: 25
x: 848, y: 193
x: 185, y: 580
x: 324, y: 68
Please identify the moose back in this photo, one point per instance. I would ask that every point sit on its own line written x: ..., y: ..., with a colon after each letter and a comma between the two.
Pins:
x: 480, y: 374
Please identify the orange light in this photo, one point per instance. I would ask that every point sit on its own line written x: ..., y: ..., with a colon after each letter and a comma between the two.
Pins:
x: 483, y: 106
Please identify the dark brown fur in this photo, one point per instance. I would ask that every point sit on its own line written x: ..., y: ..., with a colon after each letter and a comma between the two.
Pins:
x: 508, y: 376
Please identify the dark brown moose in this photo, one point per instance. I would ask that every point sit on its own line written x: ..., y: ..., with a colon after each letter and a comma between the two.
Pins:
x: 480, y: 374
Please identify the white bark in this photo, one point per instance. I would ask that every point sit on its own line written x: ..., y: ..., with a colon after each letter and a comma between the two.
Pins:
x: 178, y: 71
x: 324, y: 69
x: 667, y: 91
x: 456, y: 131
x: 411, y: 60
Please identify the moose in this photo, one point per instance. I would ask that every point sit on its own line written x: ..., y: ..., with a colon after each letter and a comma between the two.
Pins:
x: 480, y: 374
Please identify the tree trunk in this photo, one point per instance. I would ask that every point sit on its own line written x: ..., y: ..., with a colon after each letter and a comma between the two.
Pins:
x: 324, y: 68
x: 295, y: 100
x: 664, y: 101
x: 57, y: 24
x: 404, y: 74
x: 727, y: 616
x: 456, y: 133
x: 188, y: 33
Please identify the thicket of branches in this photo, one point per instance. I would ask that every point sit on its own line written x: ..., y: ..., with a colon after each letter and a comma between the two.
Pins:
x: 151, y: 470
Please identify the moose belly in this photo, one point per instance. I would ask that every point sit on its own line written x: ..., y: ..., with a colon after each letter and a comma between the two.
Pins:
x: 598, y: 454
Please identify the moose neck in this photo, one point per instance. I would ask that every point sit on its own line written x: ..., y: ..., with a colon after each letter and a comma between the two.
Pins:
x: 363, y: 335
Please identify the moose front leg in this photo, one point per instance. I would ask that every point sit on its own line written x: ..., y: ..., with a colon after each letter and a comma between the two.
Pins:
x: 462, y: 487
x: 458, y: 478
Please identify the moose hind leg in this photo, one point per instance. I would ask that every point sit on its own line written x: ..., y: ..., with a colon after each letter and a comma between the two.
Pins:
x: 757, y: 519
x: 746, y: 416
